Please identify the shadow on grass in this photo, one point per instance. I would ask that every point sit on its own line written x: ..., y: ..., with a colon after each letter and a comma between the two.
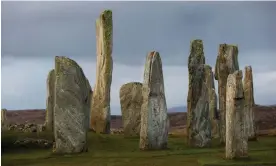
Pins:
x: 8, y: 139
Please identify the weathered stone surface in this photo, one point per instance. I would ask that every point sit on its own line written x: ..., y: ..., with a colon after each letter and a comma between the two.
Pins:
x: 50, y: 100
x: 131, y: 101
x: 236, y: 138
x: 89, y: 104
x: 198, y: 121
x: 71, y: 107
x: 250, y: 127
x: 154, y: 118
x: 212, y: 101
x: 4, y: 120
x: 227, y: 63
x: 100, y: 110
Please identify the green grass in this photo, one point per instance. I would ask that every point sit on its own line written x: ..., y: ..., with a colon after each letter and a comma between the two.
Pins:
x: 115, y: 150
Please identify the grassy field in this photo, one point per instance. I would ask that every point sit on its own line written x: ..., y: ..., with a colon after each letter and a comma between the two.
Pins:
x: 115, y: 150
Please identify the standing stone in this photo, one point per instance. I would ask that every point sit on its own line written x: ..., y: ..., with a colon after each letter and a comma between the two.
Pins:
x: 154, y: 118
x: 131, y: 101
x: 89, y: 104
x: 198, y: 121
x: 50, y: 101
x: 212, y: 101
x: 100, y: 111
x: 227, y: 63
x: 249, y: 103
x: 236, y: 139
x: 4, y: 120
x: 71, y: 107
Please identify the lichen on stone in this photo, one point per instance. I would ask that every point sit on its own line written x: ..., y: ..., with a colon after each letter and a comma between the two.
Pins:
x: 107, y: 23
x: 226, y: 63
x: 250, y: 126
x: 71, y: 107
x: 198, y: 120
x: 100, y: 110
x: 154, y: 119
x: 236, y: 138
x: 131, y: 100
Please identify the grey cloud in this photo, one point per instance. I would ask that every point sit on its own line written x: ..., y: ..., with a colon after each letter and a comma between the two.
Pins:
x: 25, y: 88
x: 46, y: 29
x: 34, y: 32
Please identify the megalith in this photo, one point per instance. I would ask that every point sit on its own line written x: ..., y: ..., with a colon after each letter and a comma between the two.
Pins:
x: 50, y: 100
x: 4, y: 120
x: 226, y: 63
x: 154, y: 118
x: 71, y: 108
x: 236, y: 139
x: 213, y: 114
x: 250, y: 127
x: 131, y: 101
x: 198, y: 120
x: 89, y: 104
x: 100, y: 110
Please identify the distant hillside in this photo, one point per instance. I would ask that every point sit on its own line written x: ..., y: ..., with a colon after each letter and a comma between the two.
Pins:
x: 178, y: 109
x: 265, y: 117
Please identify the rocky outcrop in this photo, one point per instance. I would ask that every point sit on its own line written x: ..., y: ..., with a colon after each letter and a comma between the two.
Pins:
x: 198, y: 120
x: 100, y: 111
x: 131, y: 101
x: 210, y: 83
x: 154, y: 118
x: 30, y: 142
x: 117, y: 131
x: 250, y: 127
x: 50, y: 100
x: 27, y: 128
x: 227, y: 63
x: 236, y: 139
x: 71, y: 107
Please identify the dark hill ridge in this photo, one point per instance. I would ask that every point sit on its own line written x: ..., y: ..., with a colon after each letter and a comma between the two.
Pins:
x: 265, y: 117
x: 178, y: 109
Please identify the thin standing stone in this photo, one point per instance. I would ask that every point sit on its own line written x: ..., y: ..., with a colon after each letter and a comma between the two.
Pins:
x: 4, y: 119
x: 198, y: 120
x: 250, y: 126
x: 236, y: 137
x: 227, y: 63
x: 100, y: 110
x: 50, y: 101
x: 210, y: 82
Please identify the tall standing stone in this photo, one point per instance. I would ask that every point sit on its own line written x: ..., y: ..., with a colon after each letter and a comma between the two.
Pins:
x: 4, y: 120
x: 71, y: 107
x: 50, y: 101
x: 100, y: 111
x: 131, y: 100
x: 154, y: 118
x: 212, y: 101
x: 236, y: 138
x: 89, y: 104
x: 250, y: 127
x: 198, y: 121
x: 227, y: 63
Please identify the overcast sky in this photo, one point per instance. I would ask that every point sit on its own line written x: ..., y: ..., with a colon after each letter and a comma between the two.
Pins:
x: 33, y: 33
